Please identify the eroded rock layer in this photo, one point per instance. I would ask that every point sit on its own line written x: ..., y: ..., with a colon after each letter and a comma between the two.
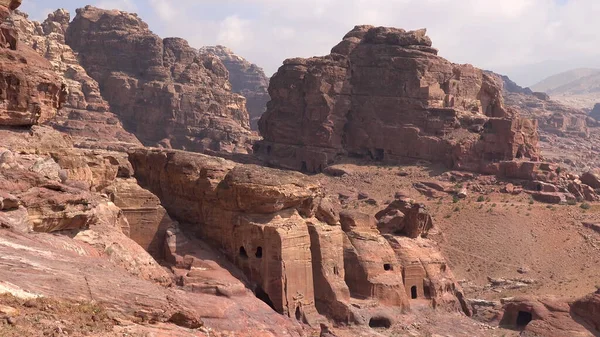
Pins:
x: 30, y: 91
x: 384, y: 93
x: 85, y: 114
x: 164, y: 91
x: 300, y: 256
x: 247, y: 79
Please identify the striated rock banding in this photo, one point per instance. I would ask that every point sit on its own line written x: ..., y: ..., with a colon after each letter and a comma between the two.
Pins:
x: 383, y: 93
x: 266, y: 221
x: 164, y: 91
x: 85, y: 115
x: 247, y: 79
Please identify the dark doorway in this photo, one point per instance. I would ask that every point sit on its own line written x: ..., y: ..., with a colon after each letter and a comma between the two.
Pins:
x: 380, y: 322
x: 387, y: 267
x: 263, y: 296
x: 243, y: 253
x: 426, y: 291
x: 258, y: 253
x: 413, y: 292
x: 298, y: 314
x: 523, y: 319
x: 304, y: 167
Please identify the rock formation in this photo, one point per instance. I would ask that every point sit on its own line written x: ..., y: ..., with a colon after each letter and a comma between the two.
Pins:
x: 164, y: 91
x: 31, y: 92
x: 247, y: 79
x: 383, y: 93
x: 595, y: 113
x: 267, y: 223
x: 567, y: 135
x: 85, y: 114
x: 552, y: 317
x: 553, y: 117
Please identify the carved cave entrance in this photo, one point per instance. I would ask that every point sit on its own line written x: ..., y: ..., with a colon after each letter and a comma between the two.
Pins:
x: 263, y: 296
x: 380, y: 322
x: 523, y: 319
x: 413, y: 292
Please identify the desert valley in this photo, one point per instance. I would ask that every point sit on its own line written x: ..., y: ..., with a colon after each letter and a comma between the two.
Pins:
x: 153, y: 188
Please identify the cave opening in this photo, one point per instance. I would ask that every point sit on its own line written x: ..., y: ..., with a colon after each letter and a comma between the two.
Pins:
x: 263, y: 296
x: 298, y: 314
x: 413, y: 292
x: 523, y: 319
x: 259, y: 253
x: 426, y: 290
x: 380, y: 322
x: 388, y: 267
x: 243, y: 253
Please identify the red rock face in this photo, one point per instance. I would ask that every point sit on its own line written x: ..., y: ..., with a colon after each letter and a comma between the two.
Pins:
x: 30, y: 92
x: 384, y: 93
x: 164, y: 91
x: 85, y: 115
x: 299, y: 256
x: 246, y: 79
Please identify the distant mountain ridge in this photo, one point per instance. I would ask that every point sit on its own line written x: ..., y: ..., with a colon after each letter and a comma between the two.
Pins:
x: 578, y: 88
x: 576, y: 81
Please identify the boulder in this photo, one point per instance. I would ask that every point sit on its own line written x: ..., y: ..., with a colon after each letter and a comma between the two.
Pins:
x: 591, y: 179
x: 406, y: 218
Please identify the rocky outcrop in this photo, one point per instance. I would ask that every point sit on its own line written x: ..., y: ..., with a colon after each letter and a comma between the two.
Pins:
x: 30, y: 91
x: 550, y: 316
x: 247, y: 79
x: 267, y: 223
x: 553, y: 117
x: 85, y: 115
x: 589, y: 309
x: 595, y: 113
x: 164, y: 91
x: 383, y: 93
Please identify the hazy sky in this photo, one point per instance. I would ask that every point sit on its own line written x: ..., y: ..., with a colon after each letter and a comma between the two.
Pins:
x: 526, y: 39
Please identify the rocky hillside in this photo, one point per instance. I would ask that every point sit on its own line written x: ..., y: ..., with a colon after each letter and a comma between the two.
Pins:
x: 384, y: 94
x: 164, y: 91
x: 85, y: 115
x: 247, y: 79
x: 568, y: 136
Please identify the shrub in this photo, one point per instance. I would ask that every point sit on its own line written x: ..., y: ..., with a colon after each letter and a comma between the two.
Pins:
x: 481, y: 198
x: 585, y: 206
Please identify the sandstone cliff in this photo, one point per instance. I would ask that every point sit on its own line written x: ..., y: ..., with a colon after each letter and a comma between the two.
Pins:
x: 85, y: 114
x: 246, y: 79
x: 301, y: 257
x: 383, y: 93
x: 164, y: 91
x: 30, y: 91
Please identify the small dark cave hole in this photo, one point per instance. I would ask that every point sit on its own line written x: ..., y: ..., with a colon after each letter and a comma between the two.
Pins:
x: 388, y: 267
x: 524, y: 318
x: 243, y: 253
x: 259, y: 253
x: 413, y: 292
x: 298, y: 314
x: 426, y: 291
x: 380, y: 322
x: 263, y: 296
